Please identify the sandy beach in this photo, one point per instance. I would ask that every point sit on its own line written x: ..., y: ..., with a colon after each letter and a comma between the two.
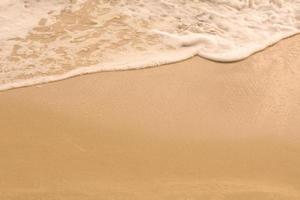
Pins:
x: 192, y: 130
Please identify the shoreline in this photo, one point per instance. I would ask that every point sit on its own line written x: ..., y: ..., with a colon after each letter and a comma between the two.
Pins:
x: 81, y: 71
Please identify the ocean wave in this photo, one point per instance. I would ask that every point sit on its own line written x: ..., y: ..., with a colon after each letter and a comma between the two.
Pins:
x: 43, y: 41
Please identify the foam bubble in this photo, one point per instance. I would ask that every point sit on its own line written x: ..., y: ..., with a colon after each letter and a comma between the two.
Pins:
x: 44, y: 41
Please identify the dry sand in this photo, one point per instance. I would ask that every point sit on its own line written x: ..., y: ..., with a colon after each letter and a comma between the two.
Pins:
x: 192, y: 130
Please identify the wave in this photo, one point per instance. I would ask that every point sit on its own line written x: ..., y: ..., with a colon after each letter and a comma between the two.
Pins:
x: 43, y: 41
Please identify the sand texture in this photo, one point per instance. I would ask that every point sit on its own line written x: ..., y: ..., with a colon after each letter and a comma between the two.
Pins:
x: 196, y: 130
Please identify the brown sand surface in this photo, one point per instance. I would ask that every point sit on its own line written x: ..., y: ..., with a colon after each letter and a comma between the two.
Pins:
x: 196, y: 130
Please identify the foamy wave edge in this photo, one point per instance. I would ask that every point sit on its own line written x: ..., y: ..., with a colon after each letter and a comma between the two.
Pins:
x: 160, y: 59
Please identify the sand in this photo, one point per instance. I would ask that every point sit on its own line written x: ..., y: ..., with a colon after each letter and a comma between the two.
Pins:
x: 191, y: 130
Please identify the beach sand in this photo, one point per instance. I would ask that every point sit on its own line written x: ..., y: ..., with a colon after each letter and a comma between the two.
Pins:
x: 186, y: 131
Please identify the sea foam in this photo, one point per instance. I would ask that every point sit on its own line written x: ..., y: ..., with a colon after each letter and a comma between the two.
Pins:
x: 43, y: 41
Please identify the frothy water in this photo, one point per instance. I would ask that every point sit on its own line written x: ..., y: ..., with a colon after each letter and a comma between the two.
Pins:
x: 42, y: 41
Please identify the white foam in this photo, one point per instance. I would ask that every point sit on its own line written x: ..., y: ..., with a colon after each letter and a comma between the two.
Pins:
x: 108, y: 35
x: 19, y: 16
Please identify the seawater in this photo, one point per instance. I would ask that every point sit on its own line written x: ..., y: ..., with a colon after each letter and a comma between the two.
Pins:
x: 43, y: 41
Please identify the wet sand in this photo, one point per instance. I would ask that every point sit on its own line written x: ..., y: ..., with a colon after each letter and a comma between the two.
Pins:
x: 191, y: 130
